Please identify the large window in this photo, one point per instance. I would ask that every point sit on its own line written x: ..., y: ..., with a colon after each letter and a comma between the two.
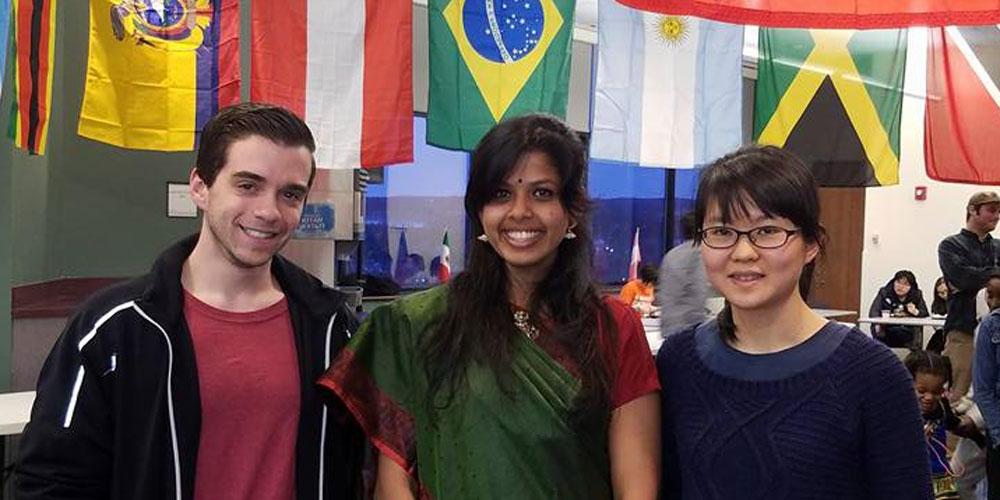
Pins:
x: 409, y: 209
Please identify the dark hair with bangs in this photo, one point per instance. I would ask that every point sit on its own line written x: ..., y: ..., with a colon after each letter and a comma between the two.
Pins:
x: 477, y: 326
x: 777, y: 183
x: 239, y: 121
x: 928, y: 362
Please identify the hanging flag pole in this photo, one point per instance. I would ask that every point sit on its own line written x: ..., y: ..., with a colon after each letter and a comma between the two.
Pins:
x: 444, y: 269
x: 636, y: 257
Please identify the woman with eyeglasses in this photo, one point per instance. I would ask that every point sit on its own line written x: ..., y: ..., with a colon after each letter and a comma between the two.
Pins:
x: 771, y: 400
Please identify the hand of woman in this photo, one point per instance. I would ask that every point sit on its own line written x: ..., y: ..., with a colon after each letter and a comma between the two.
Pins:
x: 912, y: 309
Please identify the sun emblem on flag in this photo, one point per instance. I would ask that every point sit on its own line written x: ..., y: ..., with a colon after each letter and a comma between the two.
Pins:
x: 159, y: 22
x: 671, y: 29
x: 502, y: 43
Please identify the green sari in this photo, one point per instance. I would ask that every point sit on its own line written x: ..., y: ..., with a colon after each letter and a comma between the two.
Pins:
x: 488, y: 443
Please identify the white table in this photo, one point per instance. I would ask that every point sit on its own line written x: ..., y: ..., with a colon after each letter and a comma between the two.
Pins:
x: 905, y: 321
x: 652, y: 328
x: 933, y: 322
x: 15, y: 411
x: 834, y: 313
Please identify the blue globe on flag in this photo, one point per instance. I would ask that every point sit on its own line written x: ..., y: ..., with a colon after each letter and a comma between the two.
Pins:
x: 503, y: 31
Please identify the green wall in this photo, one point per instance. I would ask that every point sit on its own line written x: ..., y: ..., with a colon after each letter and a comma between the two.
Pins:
x: 87, y: 209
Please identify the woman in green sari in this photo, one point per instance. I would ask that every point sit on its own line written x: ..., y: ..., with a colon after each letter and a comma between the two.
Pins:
x: 516, y: 379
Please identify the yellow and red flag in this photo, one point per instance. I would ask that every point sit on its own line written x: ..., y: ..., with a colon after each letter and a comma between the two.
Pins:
x: 34, y: 47
x: 158, y: 70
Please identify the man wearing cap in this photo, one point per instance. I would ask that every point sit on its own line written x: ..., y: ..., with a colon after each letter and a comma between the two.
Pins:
x: 967, y: 259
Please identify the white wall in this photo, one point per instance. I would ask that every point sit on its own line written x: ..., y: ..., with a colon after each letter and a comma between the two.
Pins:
x: 900, y: 232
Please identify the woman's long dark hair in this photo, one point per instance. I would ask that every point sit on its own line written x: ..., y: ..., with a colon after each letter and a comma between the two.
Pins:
x: 939, y: 305
x: 777, y: 183
x: 477, y: 326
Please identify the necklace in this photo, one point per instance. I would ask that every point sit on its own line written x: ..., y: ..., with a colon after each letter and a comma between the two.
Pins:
x: 521, y: 321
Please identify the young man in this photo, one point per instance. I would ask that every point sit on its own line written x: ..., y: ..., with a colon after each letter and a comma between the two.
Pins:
x: 967, y: 259
x: 986, y: 378
x: 197, y: 379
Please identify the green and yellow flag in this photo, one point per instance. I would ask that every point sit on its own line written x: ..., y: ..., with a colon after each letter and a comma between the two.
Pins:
x: 491, y: 59
x: 834, y: 97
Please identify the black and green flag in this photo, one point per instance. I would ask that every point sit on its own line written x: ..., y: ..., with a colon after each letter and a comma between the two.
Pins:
x: 833, y: 97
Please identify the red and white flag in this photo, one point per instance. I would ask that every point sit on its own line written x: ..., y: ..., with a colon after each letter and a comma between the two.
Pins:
x: 635, y: 259
x: 444, y: 270
x: 346, y: 67
x: 963, y: 104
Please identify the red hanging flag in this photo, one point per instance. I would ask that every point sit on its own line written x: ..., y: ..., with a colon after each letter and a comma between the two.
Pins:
x: 34, y: 41
x: 345, y: 67
x: 963, y: 105
x: 857, y: 14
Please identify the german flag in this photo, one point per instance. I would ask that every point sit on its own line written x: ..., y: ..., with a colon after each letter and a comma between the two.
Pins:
x: 34, y: 47
x: 833, y: 97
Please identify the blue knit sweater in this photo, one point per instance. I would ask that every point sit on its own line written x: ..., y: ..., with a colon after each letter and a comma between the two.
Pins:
x: 846, y: 428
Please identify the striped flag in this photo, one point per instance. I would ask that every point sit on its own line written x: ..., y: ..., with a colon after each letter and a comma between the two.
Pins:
x: 159, y: 70
x: 5, y: 12
x: 34, y: 48
x: 668, y: 90
x: 960, y: 124
x: 345, y: 66
x: 635, y: 258
x: 444, y: 270
x: 859, y: 14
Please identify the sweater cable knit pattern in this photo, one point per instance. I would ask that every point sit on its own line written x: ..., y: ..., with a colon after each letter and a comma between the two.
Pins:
x: 846, y: 428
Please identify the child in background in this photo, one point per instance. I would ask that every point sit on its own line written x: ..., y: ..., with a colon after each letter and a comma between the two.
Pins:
x: 985, y: 375
x: 931, y: 373
x: 639, y: 293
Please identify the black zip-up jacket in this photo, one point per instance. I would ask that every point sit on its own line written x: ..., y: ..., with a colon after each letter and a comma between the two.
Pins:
x: 118, y: 414
x: 966, y: 263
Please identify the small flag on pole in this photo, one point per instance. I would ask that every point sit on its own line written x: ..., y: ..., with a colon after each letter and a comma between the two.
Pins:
x: 633, y: 262
x: 444, y: 269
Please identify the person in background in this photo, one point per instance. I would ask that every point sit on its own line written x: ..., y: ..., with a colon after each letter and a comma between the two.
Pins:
x: 683, y: 287
x: 967, y: 259
x: 931, y: 374
x: 639, y: 293
x: 939, y: 307
x: 197, y: 380
x: 899, y: 298
x: 986, y: 379
x: 771, y: 400
x: 516, y: 379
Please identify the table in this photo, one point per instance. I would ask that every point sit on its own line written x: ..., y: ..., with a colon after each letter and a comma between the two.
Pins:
x: 15, y: 411
x: 652, y: 328
x: 933, y: 322
x: 834, y: 313
x: 905, y: 321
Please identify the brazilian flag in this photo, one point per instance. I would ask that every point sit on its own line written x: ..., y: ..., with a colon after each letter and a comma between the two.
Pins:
x: 833, y: 97
x: 491, y: 59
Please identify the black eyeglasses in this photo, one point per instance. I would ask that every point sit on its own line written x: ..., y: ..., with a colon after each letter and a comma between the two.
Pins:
x: 722, y: 237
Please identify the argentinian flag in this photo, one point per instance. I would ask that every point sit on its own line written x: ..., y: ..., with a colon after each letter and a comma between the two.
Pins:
x: 668, y: 91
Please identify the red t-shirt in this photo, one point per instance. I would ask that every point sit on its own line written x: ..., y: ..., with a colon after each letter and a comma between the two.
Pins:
x: 248, y: 378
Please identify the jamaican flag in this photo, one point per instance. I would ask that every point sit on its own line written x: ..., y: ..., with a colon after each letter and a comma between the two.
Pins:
x: 833, y: 97
x: 491, y: 59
